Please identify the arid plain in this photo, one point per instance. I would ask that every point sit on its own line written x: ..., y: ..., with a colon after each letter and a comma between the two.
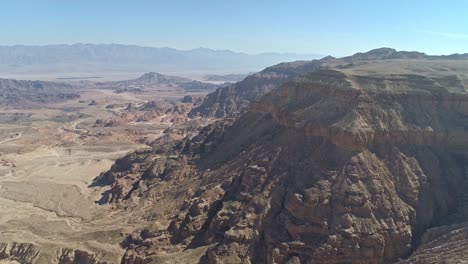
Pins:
x: 49, y: 155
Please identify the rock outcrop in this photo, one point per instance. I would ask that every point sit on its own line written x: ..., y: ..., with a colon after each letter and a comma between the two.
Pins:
x: 27, y: 253
x: 341, y: 165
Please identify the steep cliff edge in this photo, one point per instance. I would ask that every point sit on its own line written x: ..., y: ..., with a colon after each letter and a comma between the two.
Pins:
x: 236, y: 98
x: 349, y: 165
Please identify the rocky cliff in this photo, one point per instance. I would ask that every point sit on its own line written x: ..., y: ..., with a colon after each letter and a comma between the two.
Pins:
x: 341, y: 165
x: 27, y: 253
x: 230, y: 100
x: 234, y: 98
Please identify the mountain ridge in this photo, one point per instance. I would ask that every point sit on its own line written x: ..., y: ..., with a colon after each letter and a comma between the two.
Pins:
x: 237, y: 97
x: 157, y: 81
x: 107, y: 57
x: 152, y: 47
x: 340, y: 165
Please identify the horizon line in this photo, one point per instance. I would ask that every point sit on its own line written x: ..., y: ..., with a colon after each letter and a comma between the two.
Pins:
x: 163, y: 47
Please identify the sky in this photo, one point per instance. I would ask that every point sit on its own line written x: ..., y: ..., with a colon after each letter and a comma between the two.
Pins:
x: 330, y: 27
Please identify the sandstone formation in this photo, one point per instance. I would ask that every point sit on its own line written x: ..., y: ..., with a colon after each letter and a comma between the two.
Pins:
x: 349, y: 163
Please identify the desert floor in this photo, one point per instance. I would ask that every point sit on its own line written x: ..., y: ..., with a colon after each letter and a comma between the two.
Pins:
x: 48, y: 159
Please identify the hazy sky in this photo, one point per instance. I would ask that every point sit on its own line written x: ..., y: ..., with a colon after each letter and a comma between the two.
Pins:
x: 323, y: 27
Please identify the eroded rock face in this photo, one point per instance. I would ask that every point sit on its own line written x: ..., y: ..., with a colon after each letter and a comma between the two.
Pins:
x: 23, y: 253
x: 167, y: 164
x: 27, y: 253
x: 235, y: 98
x: 359, y: 112
x: 170, y: 113
x: 446, y: 244
x: 333, y: 167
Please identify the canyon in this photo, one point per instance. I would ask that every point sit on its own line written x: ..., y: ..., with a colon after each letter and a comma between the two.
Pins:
x: 361, y: 159
x: 53, y: 146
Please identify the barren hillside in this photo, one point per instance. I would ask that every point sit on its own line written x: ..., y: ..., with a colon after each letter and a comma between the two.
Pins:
x: 349, y: 164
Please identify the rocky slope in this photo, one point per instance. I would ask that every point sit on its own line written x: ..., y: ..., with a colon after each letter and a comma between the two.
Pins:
x: 228, y: 101
x: 446, y: 244
x: 29, y: 253
x: 19, y: 93
x: 173, y: 113
x: 349, y: 164
x: 234, y: 98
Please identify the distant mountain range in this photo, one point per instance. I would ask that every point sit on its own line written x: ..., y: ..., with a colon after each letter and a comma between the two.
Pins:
x: 116, y: 57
